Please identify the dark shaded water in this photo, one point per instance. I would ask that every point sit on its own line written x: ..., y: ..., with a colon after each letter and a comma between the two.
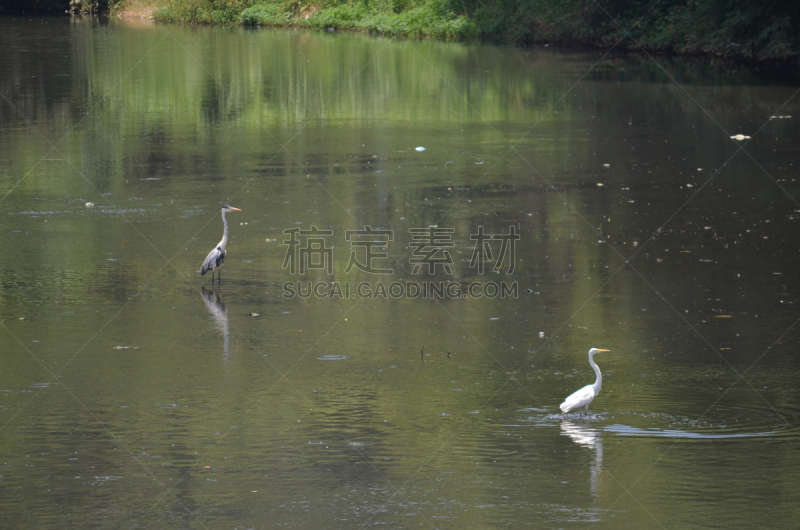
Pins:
x: 134, y: 393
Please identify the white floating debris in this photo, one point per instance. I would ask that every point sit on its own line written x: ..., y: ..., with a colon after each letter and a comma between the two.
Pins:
x: 606, y: 165
x: 740, y: 137
x: 541, y: 334
x: 600, y: 184
x: 420, y: 149
x: 90, y: 205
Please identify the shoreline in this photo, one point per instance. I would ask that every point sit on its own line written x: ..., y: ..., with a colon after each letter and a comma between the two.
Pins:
x: 791, y: 64
x: 753, y: 35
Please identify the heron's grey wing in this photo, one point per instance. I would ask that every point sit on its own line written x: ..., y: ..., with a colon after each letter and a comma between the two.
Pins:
x: 211, y: 261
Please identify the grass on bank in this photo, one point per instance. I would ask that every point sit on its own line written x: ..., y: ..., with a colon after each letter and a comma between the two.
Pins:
x: 387, y: 17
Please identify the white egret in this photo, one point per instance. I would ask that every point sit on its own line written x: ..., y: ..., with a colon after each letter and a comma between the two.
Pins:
x: 216, y: 257
x: 585, y: 395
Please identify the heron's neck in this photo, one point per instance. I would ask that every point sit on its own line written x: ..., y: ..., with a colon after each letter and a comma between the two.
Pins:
x: 599, y: 383
x: 224, y: 241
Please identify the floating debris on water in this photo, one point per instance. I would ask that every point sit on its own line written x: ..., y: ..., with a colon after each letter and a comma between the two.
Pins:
x: 332, y: 358
x: 420, y: 149
x: 255, y: 314
x: 125, y: 347
x: 90, y: 205
x: 740, y: 137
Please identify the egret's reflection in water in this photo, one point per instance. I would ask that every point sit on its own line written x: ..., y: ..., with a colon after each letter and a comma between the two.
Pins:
x: 216, y: 306
x: 585, y: 436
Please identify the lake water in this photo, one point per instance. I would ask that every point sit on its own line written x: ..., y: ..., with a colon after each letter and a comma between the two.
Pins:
x: 615, y: 209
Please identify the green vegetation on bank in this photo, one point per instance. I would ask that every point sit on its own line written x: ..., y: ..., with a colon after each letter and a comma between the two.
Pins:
x: 768, y: 29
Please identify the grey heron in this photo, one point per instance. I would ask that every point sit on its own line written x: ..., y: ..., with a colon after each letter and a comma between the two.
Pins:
x: 585, y: 395
x: 216, y: 257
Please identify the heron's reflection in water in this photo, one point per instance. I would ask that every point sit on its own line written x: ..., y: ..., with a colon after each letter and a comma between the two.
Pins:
x: 216, y: 306
x: 587, y: 437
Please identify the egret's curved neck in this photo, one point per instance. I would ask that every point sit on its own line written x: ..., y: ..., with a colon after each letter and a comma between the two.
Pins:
x: 599, y: 383
x: 224, y: 241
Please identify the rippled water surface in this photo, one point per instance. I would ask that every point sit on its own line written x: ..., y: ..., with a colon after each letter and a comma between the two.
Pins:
x: 134, y: 392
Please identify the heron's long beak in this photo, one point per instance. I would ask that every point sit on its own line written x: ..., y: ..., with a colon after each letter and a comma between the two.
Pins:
x: 236, y: 209
x: 603, y: 351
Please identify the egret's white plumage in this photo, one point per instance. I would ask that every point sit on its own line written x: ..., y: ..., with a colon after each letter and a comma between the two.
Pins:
x: 585, y: 395
x: 216, y: 257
